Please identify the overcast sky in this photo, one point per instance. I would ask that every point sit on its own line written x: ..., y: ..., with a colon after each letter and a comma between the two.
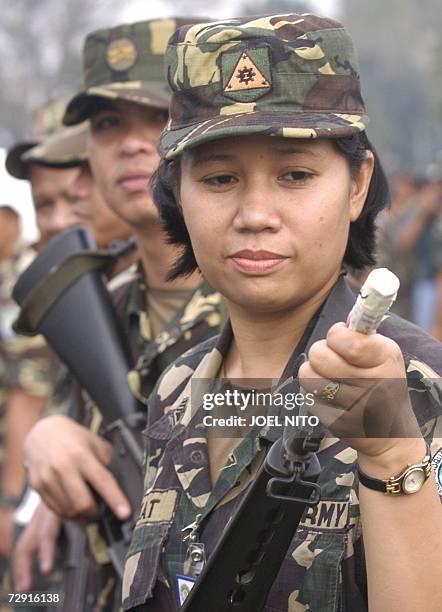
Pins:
x: 137, y: 9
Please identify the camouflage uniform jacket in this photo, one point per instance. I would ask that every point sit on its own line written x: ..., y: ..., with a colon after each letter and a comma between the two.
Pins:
x: 323, y: 568
x: 198, y: 318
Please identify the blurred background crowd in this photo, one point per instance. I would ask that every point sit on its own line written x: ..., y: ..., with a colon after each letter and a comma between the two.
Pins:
x: 40, y: 46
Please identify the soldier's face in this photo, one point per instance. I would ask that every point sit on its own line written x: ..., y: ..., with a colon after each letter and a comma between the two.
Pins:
x: 94, y: 213
x: 53, y: 199
x: 269, y: 217
x: 123, y: 157
x: 9, y: 231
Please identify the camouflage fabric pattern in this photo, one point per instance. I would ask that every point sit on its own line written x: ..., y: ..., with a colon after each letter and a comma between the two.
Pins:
x: 46, y: 121
x: 25, y: 363
x: 66, y: 148
x: 199, y: 318
x: 323, y: 570
x: 285, y: 75
x: 126, y: 63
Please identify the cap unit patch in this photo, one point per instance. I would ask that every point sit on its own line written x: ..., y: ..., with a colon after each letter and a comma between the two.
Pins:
x: 121, y: 54
x: 246, y: 76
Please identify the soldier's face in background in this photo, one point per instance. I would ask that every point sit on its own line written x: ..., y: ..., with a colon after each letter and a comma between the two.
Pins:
x: 53, y: 199
x: 123, y: 157
x: 269, y: 217
x: 9, y: 231
x: 94, y: 213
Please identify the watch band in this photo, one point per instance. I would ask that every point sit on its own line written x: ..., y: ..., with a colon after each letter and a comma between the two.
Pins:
x: 395, y: 484
x: 372, y: 483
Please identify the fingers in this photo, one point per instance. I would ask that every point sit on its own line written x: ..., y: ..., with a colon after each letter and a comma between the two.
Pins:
x: 107, y: 487
x: 22, y: 570
x: 339, y: 406
x: 46, y: 553
x: 39, y: 537
x: 361, y: 351
x: 67, y: 492
x: 22, y: 560
x: 50, y: 531
x: 76, y: 460
x: 48, y: 485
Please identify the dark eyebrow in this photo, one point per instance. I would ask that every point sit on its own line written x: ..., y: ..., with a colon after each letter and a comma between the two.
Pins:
x: 198, y: 159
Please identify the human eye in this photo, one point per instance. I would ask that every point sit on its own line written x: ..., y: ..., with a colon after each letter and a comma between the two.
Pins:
x: 299, y: 177
x: 45, y: 204
x: 219, y: 181
x: 105, y: 121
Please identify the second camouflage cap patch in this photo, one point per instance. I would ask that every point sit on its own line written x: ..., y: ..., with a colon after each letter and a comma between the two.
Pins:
x: 246, y: 74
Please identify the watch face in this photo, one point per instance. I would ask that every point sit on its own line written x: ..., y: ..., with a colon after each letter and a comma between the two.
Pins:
x: 413, y: 481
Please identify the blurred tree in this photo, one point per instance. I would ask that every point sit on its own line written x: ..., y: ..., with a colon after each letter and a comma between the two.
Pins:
x: 40, y: 47
x: 397, y: 43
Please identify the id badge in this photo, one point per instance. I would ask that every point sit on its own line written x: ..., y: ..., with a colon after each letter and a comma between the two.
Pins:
x: 184, y: 586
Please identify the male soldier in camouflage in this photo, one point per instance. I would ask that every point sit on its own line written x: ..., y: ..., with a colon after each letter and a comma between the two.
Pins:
x: 49, y: 186
x: 126, y: 100
x: 266, y: 140
x: 66, y: 148
x: 30, y: 367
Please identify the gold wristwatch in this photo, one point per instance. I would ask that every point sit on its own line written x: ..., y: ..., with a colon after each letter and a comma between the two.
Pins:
x: 407, y: 482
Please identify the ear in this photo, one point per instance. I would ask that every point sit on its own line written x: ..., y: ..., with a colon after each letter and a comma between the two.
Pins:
x: 359, y: 186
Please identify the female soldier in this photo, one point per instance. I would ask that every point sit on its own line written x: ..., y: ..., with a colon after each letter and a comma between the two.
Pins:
x: 271, y: 186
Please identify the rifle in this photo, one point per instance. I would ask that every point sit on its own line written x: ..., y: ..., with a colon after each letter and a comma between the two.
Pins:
x: 63, y: 296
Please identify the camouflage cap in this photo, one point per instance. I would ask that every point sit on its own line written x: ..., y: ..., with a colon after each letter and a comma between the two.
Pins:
x: 126, y: 63
x: 282, y: 75
x: 46, y: 120
x: 66, y: 148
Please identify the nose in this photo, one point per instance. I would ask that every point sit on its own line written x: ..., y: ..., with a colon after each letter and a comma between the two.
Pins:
x: 139, y: 137
x: 63, y: 217
x: 81, y: 188
x: 256, y: 211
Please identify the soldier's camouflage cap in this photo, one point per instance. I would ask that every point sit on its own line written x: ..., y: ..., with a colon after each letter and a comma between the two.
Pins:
x: 66, y: 148
x: 125, y: 62
x: 46, y: 126
x: 282, y: 75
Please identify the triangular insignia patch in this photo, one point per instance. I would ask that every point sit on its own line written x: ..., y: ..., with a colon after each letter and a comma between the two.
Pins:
x: 246, y: 75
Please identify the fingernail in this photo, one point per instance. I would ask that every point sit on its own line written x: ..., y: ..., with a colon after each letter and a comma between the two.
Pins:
x: 123, y: 512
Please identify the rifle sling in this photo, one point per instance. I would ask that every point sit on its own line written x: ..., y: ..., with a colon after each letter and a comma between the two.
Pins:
x: 36, y: 305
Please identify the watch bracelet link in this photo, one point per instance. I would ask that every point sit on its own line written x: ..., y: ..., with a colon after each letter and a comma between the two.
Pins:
x: 393, y: 485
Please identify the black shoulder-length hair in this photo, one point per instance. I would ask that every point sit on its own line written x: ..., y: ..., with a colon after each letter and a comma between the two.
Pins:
x: 360, y: 251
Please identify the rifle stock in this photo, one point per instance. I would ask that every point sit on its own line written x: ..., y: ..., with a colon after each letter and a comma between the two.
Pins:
x: 65, y: 299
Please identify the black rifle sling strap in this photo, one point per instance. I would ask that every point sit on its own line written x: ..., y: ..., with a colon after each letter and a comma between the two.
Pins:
x: 40, y: 299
